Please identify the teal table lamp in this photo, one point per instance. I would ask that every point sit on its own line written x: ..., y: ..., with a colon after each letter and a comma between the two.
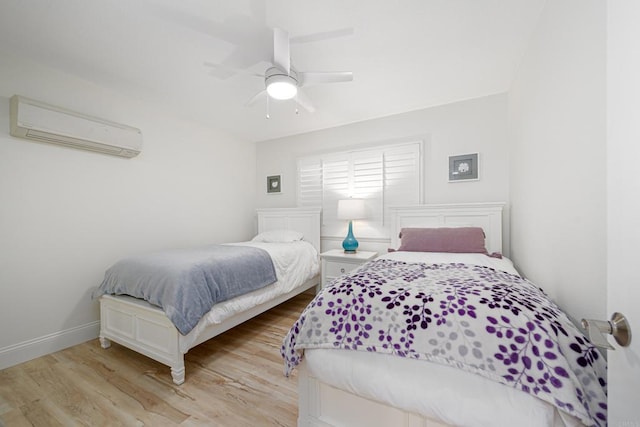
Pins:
x: 351, y: 209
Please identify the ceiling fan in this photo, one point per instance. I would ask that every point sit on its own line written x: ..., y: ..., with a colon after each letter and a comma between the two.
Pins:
x: 283, y: 82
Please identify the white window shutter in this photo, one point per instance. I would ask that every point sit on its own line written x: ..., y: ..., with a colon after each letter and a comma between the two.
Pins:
x: 335, y: 179
x: 368, y: 182
x: 383, y: 176
x: 402, y: 176
x: 309, y: 182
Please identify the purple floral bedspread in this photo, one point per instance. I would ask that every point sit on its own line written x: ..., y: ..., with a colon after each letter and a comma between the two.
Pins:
x: 474, y: 318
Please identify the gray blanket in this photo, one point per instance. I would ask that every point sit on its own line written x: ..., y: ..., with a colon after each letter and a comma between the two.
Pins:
x: 187, y: 283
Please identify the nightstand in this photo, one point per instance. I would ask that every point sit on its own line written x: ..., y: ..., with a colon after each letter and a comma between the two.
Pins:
x: 335, y: 263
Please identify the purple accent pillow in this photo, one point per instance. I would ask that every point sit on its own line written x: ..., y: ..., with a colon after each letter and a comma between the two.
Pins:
x: 455, y: 240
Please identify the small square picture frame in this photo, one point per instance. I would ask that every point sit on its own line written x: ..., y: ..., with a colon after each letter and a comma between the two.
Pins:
x: 464, y: 167
x: 274, y: 184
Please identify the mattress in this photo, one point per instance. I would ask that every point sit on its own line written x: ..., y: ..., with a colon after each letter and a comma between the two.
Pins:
x: 295, y: 263
x: 435, y: 391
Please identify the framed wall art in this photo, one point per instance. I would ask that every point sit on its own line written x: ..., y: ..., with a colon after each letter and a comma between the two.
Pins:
x: 274, y: 184
x: 464, y: 167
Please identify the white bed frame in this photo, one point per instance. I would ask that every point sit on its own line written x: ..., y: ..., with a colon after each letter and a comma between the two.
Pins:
x: 145, y: 328
x: 321, y: 404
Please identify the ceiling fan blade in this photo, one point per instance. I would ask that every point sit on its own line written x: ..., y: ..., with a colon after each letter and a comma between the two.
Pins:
x: 257, y: 97
x: 281, y: 57
x: 313, y: 78
x: 326, y: 35
x: 303, y: 100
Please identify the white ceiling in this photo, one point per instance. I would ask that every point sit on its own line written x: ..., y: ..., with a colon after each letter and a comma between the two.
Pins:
x: 405, y: 54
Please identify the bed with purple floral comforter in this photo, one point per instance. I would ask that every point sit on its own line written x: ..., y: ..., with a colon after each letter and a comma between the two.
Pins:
x: 474, y: 318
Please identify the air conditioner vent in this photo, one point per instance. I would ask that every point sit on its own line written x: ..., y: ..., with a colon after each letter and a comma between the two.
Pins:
x: 46, y: 123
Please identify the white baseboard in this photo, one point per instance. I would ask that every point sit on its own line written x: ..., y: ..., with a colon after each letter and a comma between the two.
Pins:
x: 27, y: 350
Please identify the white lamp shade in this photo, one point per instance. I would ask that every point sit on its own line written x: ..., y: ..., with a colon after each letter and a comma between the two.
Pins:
x: 281, y: 87
x: 351, y: 209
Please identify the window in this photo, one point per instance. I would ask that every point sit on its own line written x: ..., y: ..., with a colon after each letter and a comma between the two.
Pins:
x: 384, y: 176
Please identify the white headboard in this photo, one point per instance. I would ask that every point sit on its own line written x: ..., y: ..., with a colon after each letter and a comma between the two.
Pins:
x: 304, y: 220
x: 485, y: 215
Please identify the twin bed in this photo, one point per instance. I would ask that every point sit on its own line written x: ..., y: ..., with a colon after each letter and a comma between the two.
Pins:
x: 147, y: 329
x: 441, y: 332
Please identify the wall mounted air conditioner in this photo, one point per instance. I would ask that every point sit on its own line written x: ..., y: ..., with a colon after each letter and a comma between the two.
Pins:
x: 46, y: 123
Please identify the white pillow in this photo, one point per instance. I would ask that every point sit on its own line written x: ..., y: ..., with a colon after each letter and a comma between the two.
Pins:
x: 278, y: 236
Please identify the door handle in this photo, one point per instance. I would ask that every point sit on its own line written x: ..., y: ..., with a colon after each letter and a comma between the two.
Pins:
x: 617, y: 326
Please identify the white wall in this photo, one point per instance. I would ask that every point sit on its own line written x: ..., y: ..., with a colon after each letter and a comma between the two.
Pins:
x: 66, y: 215
x: 557, y: 138
x: 477, y: 125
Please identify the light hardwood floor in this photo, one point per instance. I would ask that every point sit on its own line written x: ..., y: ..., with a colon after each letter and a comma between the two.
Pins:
x: 234, y: 379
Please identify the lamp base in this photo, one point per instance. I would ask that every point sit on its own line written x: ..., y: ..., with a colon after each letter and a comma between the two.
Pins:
x: 350, y: 244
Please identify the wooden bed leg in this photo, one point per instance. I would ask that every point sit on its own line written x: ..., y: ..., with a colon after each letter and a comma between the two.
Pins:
x: 105, y: 342
x: 177, y: 373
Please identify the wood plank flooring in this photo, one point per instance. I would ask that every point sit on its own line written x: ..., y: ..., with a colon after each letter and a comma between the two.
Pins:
x: 234, y: 379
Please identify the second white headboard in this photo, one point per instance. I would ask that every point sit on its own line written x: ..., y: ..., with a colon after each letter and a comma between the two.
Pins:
x: 485, y: 215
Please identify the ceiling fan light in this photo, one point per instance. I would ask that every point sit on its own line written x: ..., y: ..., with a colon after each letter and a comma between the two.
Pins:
x: 281, y: 87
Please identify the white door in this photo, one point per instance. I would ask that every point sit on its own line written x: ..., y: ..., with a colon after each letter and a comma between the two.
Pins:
x: 623, y: 213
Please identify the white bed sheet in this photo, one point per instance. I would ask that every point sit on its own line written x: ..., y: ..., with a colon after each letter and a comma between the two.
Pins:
x: 503, y: 264
x: 435, y: 391
x: 295, y: 263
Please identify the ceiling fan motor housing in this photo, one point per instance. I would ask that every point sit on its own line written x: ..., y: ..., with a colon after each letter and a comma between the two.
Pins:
x: 281, y: 85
